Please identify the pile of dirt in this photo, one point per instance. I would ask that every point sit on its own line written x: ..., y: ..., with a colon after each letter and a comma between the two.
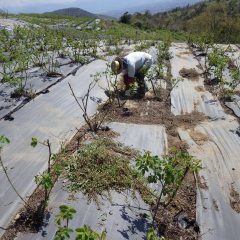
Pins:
x: 189, y: 73
x: 178, y: 220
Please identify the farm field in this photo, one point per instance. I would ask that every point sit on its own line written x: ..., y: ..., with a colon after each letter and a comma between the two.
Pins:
x: 77, y: 161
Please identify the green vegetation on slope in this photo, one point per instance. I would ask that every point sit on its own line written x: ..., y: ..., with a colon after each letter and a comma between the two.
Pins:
x: 218, y: 18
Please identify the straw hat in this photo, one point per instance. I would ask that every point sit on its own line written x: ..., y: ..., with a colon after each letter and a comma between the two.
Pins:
x: 117, y: 65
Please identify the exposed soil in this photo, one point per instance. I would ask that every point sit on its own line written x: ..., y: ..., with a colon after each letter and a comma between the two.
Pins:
x: 29, y: 219
x: 150, y: 111
x: 178, y: 222
x: 235, y: 199
x: 54, y: 74
x: 32, y: 216
x: 198, y: 137
x: 200, y: 89
x: 202, y: 183
x: 189, y: 73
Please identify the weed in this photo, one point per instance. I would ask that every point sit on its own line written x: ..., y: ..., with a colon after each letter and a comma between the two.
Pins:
x: 101, y: 166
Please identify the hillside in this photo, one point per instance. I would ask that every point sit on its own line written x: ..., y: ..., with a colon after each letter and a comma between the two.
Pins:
x: 220, y: 19
x: 74, y: 12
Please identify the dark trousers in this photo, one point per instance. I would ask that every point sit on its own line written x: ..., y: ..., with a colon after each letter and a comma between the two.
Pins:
x: 142, y: 87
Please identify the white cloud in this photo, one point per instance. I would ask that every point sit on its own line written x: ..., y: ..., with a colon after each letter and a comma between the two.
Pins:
x: 24, y: 3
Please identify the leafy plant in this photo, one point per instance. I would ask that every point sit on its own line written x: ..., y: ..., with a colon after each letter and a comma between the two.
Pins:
x: 47, y: 179
x: 156, y: 73
x: 169, y: 172
x: 218, y: 61
x: 235, y: 74
x: 151, y: 235
x: 84, y: 233
x: 112, y: 89
x: 66, y: 213
x: 144, y: 45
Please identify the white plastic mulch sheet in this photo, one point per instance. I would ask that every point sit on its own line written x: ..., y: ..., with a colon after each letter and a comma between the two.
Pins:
x: 123, y: 216
x: 217, y: 144
x: 234, y: 105
x: 54, y: 115
x: 190, y: 94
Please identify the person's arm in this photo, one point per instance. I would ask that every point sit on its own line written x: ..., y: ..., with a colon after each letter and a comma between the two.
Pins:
x: 128, y: 81
x: 149, y: 61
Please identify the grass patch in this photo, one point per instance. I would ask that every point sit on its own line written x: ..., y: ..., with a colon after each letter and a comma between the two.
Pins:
x: 101, y: 166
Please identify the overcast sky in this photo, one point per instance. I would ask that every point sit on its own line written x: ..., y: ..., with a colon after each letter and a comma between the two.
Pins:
x: 96, y: 6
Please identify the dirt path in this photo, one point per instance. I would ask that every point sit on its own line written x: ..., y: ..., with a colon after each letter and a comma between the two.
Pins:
x: 54, y: 115
x: 217, y: 144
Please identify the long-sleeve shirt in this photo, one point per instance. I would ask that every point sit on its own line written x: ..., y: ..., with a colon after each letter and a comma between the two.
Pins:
x: 136, y: 61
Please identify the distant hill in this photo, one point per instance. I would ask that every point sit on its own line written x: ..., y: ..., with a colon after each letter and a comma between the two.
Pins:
x: 152, y: 7
x: 78, y: 12
x: 74, y: 12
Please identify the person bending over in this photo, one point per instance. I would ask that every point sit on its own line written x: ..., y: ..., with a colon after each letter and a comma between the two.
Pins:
x: 134, y: 67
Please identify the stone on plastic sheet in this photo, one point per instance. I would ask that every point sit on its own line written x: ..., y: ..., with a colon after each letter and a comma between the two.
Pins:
x: 220, y: 171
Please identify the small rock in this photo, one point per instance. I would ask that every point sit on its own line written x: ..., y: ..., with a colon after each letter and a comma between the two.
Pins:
x: 17, y: 217
x: 130, y: 104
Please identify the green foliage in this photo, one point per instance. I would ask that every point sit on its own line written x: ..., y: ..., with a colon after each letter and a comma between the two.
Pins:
x: 112, y: 89
x: 66, y: 213
x: 220, y: 19
x: 218, y: 59
x: 84, y: 233
x: 3, y: 141
x: 125, y: 18
x: 151, y: 235
x: 156, y: 72
x: 45, y: 180
x: 168, y: 171
x: 34, y: 142
x: 235, y: 74
x: 144, y: 45
x: 63, y: 233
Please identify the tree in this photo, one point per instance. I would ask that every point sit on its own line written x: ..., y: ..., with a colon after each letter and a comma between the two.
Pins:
x: 126, y: 18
